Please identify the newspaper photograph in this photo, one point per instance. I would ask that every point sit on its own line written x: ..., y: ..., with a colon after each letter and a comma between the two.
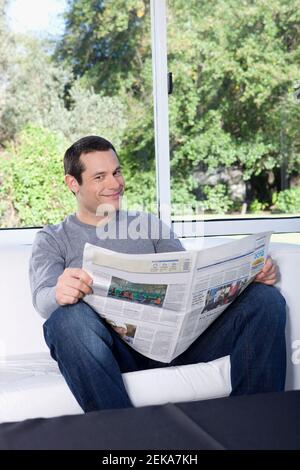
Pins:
x: 160, y: 303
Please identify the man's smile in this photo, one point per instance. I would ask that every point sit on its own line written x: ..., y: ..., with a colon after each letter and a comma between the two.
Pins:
x: 113, y: 195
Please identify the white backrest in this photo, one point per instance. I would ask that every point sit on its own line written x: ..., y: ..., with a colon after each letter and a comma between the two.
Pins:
x: 287, y: 257
x: 20, y: 324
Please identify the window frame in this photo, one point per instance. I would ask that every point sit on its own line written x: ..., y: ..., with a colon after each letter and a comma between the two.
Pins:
x: 212, y: 227
x: 183, y: 228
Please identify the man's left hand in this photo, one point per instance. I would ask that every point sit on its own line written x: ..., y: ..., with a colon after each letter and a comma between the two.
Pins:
x: 268, y: 274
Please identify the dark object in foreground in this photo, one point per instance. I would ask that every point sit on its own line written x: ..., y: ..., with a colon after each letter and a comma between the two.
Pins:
x: 263, y: 421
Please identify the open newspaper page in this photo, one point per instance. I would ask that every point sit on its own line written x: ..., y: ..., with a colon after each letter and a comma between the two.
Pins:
x: 221, y: 273
x: 143, y: 297
x: 160, y: 303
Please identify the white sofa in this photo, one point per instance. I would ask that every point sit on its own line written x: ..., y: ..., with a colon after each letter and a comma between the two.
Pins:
x: 31, y: 384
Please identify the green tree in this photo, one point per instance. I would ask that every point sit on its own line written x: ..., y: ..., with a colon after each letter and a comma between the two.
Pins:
x: 107, y: 41
x: 36, y: 94
x: 236, y: 63
x: 4, y: 39
x: 34, y: 88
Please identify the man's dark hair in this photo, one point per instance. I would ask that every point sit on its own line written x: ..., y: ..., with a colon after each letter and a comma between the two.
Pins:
x: 72, y: 164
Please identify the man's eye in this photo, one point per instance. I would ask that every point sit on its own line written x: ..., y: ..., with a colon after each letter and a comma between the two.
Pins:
x: 118, y: 172
x: 100, y: 177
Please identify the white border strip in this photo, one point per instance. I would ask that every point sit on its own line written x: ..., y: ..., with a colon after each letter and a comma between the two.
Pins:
x: 17, y: 236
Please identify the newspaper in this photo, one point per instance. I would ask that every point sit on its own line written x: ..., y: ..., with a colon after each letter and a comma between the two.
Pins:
x: 160, y: 303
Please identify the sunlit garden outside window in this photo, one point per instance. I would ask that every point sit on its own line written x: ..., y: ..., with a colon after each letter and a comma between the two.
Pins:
x: 235, y: 109
x: 234, y: 112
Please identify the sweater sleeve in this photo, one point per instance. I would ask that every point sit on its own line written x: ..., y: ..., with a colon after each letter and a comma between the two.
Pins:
x: 47, y: 263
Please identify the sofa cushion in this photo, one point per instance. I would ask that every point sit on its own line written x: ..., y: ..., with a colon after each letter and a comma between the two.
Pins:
x: 32, y: 386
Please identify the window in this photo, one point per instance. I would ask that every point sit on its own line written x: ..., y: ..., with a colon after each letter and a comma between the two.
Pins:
x: 234, y: 116
x: 230, y: 126
x: 73, y: 68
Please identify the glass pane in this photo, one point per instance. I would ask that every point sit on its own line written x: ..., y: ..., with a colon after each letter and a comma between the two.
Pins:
x: 235, y: 107
x: 69, y: 69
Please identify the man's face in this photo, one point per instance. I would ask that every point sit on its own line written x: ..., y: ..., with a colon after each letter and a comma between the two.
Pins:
x: 102, y: 181
x: 121, y: 330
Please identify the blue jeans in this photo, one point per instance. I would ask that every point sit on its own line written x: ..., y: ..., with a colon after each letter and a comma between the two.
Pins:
x: 92, y: 357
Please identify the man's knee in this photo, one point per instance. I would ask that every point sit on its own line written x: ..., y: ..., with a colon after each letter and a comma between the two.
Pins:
x: 270, y: 303
x: 277, y: 306
x: 74, y: 322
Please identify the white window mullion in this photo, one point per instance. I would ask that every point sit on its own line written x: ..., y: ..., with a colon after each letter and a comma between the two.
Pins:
x: 160, y: 97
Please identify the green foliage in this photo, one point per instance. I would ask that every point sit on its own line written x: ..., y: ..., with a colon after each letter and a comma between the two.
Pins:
x: 5, y: 40
x: 107, y: 42
x: 89, y: 114
x: 234, y: 65
x: 287, y: 201
x: 257, y: 206
x: 32, y: 178
x: 140, y: 189
x: 36, y: 95
x: 34, y: 91
x: 6, y: 46
x: 217, y: 201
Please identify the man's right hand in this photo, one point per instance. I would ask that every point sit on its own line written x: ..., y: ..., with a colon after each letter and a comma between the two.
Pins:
x: 72, y: 285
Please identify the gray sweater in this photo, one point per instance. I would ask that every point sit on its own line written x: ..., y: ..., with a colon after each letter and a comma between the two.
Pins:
x: 61, y: 246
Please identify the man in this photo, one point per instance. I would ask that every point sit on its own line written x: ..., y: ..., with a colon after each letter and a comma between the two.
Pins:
x: 90, y: 355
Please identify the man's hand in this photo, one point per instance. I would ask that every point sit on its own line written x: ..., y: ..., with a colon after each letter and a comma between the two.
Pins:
x: 72, y: 285
x: 268, y: 274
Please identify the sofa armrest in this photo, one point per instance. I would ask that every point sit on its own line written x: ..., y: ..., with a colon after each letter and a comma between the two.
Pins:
x: 287, y: 256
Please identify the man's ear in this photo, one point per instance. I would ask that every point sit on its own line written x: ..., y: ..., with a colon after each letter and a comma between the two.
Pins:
x: 72, y: 183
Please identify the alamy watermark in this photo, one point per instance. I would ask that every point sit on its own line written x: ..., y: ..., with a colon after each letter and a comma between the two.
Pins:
x: 139, y: 222
x: 296, y: 353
